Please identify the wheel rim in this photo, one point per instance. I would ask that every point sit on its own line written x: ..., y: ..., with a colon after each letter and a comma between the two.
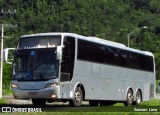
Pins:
x: 130, y: 97
x: 78, y: 97
x: 138, y: 98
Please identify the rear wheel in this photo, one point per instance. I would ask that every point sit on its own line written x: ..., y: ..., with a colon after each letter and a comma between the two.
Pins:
x: 39, y: 102
x: 78, y: 98
x: 138, y: 97
x: 130, y: 98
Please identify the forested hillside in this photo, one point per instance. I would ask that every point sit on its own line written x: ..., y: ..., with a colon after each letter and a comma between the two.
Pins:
x: 107, y: 19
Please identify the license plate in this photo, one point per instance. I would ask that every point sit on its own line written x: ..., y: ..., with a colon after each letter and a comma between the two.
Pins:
x: 32, y: 93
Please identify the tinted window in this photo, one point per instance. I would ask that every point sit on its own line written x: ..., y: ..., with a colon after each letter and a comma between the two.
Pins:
x: 84, y: 50
x: 68, y: 59
x: 99, y: 53
x: 123, y: 58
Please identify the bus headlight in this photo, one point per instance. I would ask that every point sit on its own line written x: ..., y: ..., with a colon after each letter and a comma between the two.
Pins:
x: 14, y: 85
x: 51, y: 85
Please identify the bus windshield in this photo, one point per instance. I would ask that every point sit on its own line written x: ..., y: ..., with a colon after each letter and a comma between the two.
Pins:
x: 39, y: 42
x: 35, y: 64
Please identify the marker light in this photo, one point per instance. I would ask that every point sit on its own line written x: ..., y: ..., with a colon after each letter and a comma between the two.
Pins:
x: 53, y: 96
x: 14, y: 85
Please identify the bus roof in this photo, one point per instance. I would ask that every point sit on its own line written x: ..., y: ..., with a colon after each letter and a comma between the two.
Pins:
x: 90, y: 38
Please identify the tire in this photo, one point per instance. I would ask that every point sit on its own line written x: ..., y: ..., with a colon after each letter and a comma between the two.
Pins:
x: 130, y: 98
x: 93, y: 103
x: 39, y: 102
x: 78, y: 98
x: 138, y: 97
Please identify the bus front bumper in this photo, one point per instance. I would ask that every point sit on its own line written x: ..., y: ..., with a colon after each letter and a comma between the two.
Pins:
x: 47, y: 93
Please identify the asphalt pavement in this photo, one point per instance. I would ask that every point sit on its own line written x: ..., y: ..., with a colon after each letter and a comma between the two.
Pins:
x: 157, y: 96
x: 11, y: 101
x: 15, y: 104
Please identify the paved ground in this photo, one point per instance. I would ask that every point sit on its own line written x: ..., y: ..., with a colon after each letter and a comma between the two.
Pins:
x: 157, y: 96
x: 29, y: 102
x: 55, y: 106
x: 13, y: 101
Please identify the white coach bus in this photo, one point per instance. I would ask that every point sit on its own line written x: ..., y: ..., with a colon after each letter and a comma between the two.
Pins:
x: 50, y: 67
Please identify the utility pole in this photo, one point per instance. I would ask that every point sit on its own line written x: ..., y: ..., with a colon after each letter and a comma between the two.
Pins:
x: 2, y: 36
x: 1, y: 64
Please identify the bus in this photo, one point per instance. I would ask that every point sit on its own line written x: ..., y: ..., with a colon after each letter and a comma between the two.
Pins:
x: 49, y: 67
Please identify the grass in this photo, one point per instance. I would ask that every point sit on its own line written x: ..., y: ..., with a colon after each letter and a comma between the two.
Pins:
x: 83, y: 113
x: 154, y: 102
x: 3, y: 101
x: 87, y: 113
x: 118, y: 108
x: 7, y: 89
x: 7, y: 92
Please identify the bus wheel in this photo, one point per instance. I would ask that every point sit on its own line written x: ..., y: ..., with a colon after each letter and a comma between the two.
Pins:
x: 78, y: 98
x: 130, y: 98
x: 93, y: 103
x: 138, y: 98
x: 39, y: 102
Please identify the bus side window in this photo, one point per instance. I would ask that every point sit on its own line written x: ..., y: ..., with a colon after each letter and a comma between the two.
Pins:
x: 68, y: 59
x: 123, y: 58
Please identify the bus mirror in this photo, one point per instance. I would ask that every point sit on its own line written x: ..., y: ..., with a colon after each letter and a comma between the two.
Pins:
x: 59, y: 53
x: 6, y: 53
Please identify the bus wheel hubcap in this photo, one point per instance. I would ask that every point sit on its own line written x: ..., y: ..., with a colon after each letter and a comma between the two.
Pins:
x: 130, y: 98
x: 77, y: 96
x: 138, y: 98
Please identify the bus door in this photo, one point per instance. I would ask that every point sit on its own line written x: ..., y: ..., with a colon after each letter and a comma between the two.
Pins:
x: 67, y: 65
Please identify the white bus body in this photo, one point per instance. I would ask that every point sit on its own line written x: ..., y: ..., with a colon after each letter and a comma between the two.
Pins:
x: 70, y: 67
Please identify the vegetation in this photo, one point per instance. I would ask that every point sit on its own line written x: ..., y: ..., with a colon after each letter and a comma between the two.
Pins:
x: 6, y: 79
x: 88, y: 113
x: 107, y: 19
x: 119, y: 109
x: 149, y: 106
x: 3, y: 101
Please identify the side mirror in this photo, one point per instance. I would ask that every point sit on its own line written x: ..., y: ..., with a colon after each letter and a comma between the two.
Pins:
x: 59, y: 53
x: 5, y: 54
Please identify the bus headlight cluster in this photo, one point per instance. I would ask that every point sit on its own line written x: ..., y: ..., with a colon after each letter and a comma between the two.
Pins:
x: 14, y: 85
x: 51, y: 85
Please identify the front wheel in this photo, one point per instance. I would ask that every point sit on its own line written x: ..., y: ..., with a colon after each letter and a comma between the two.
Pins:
x: 38, y: 102
x: 78, y: 98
